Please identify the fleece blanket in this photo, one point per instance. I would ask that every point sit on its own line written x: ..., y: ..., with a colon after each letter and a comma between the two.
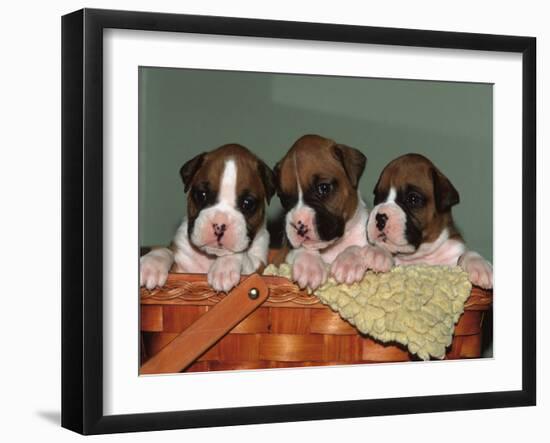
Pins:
x: 417, y: 306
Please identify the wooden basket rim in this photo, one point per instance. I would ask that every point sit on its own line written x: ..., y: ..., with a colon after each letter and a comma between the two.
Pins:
x: 193, y: 289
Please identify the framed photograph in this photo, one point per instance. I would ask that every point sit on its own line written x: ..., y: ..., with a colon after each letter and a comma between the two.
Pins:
x: 268, y: 221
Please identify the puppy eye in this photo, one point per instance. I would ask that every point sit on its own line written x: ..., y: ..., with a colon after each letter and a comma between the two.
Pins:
x: 414, y: 200
x: 200, y: 196
x: 248, y: 204
x: 323, y: 189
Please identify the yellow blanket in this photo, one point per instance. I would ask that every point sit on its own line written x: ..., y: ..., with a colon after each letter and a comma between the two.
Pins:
x: 417, y: 306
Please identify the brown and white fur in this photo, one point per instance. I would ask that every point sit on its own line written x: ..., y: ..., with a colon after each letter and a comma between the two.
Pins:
x: 412, y: 219
x: 224, y: 233
x: 317, y: 182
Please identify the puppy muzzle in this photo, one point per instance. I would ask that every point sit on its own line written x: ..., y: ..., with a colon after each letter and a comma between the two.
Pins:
x: 386, y: 228
x: 220, y: 232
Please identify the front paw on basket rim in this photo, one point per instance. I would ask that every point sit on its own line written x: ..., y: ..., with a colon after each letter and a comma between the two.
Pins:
x: 224, y: 274
x: 309, y: 271
x: 377, y: 259
x: 348, y: 267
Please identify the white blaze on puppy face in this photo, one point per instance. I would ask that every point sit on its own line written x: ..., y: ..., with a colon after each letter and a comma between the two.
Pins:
x: 221, y: 229
x: 387, y: 225
x: 300, y: 224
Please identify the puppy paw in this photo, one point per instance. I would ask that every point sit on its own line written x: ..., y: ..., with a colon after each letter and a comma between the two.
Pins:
x: 309, y: 270
x: 377, y: 259
x: 480, y: 271
x: 153, y: 270
x: 225, y: 273
x: 349, y: 265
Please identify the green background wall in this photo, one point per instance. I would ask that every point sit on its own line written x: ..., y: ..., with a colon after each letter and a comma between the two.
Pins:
x: 185, y: 112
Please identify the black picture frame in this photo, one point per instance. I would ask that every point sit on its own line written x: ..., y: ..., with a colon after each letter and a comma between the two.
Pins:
x: 82, y: 218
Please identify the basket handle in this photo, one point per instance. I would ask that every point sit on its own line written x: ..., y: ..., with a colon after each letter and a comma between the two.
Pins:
x: 208, y: 329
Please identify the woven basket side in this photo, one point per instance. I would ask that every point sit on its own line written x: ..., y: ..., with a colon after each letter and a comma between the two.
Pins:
x: 292, y: 329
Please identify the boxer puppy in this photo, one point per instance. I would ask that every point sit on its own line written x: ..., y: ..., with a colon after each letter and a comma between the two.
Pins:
x: 412, y: 219
x: 224, y: 233
x: 317, y: 183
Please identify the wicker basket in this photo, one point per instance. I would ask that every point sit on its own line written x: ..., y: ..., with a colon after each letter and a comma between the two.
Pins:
x: 290, y: 329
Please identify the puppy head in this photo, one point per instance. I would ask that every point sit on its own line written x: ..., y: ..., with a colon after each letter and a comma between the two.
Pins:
x: 227, y: 193
x: 317, y: 183
x: 413, y: 202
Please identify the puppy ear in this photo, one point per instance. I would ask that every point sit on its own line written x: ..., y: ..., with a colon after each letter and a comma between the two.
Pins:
x: 277, y: 176
x: 375, y: 190
x: 353, y: 160
x: 190, y: 168
x: 445, y: 194
x: 268, y: 179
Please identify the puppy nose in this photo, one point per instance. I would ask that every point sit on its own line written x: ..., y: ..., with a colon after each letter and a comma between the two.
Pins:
x: 301, y: 228
x: 381, y: 220
x: 219, y: 230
